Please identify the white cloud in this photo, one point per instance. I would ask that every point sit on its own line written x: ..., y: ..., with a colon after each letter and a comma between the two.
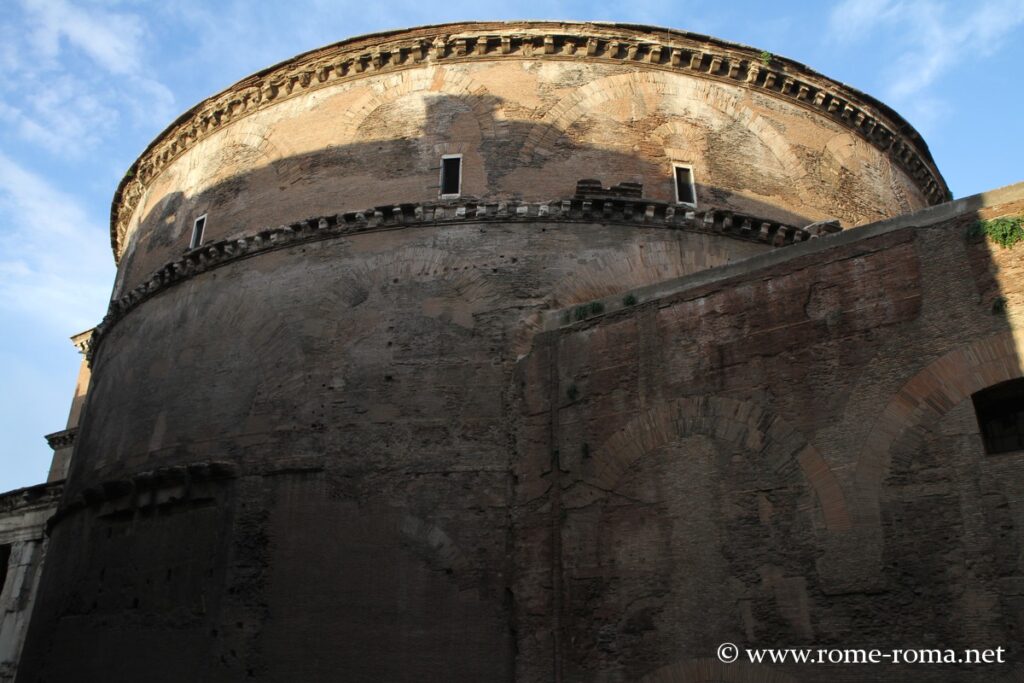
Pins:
x: 113, y: 41
x: 75, y: 76
x: 929, y: 36
x: 852, y: 19
x: 55, y: 265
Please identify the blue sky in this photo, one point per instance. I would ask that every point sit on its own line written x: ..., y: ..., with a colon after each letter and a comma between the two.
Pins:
x: 86, y: 85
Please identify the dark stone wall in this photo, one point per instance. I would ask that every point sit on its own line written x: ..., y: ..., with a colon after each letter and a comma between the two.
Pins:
x: 783, y: 454
x: 300, y: 463
x: 383, y: 456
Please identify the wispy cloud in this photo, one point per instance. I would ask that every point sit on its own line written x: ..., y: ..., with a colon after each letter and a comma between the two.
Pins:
x: 110, y: 39
x: 55, y: 266
x: 71, y: 74
x: 928, y: 36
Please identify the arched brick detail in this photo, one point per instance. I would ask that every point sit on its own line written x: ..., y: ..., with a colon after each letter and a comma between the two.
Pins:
x: 439, y: 80
x: 740, y: 423
x: 756, y: 124
x: 900, y: 428
x: 698, y: 96
x: 247, y: 139
x: 714, y: 671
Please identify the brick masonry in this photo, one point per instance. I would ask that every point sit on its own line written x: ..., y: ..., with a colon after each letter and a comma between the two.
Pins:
x: 527, y: 435
x: 789, y: 451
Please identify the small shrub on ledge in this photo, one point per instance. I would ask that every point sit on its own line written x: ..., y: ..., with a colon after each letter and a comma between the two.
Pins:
x: 1005, y: 232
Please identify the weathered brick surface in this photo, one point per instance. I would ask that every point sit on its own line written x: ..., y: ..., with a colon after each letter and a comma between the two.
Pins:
x: 801, y: 467
x: 356, y: 397
x: 380, y: 448
x: 529, y: 125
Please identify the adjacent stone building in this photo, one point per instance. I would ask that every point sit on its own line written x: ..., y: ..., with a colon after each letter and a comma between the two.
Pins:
x: 541, y: 351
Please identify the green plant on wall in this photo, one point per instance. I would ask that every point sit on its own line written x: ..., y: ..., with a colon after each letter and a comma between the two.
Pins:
x: 586, y: 310
x: 766, y: 57
x: 1005, y: 232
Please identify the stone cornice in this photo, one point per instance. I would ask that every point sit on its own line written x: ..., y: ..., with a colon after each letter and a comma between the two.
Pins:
x: 166, y: 487
x: 82, y: 340
x: 31, y: 497
x: 61, y: 439
x: 618, y: 210
x: 640, y: 46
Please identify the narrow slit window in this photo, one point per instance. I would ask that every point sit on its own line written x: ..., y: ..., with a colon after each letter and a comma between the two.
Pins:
x: 686, y: 193
x: 451, y: 175
x: 1000, y: 412
x: 5, y: 559
x: 197, y: 232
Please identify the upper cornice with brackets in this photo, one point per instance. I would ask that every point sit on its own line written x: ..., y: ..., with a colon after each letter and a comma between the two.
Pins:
x: 639, y: 46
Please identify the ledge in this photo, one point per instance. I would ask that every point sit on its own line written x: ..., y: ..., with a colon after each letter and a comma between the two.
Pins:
x: 38, y: 496
x: 82, y: 340
x: 588, y: 312
x: 61, y: 439
x: 166, y: 487
x: 640, y: 46
x: 618, y: 210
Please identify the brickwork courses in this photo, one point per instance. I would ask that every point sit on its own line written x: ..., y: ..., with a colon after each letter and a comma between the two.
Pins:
x: 562, y: 424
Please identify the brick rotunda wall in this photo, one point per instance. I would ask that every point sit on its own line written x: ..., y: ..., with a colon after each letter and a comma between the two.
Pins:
x: 532, y: 108
x: 304, y: 454
x: 298, y: 461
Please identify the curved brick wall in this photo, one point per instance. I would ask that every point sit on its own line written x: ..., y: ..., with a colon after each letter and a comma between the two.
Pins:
x: 309, y: 446
x: 532, y: 108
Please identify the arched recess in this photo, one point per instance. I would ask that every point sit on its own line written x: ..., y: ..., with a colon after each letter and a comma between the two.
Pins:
x: 714, y: 671
x: 240, y: 150
x: 653, y: 92
x: 672, y: 132
x: 899, y: 430
x: 780, y: 446
x: 440, y: 80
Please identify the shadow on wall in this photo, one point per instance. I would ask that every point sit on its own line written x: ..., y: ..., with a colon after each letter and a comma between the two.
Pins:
x: 248, y: 190
x: 805, y: 459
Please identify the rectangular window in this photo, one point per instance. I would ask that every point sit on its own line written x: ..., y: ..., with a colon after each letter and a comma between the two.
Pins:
x: 197, y: 232
x: 5, y: 559
x: 686, y: 193
x: 451, y: 176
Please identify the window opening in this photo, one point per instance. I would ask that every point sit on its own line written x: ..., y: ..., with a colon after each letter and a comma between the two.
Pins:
x: 1000, y: 413
x: 686, y: 193
x: 451, y: 175
x: 5, y: 558
x: 197, y: 232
